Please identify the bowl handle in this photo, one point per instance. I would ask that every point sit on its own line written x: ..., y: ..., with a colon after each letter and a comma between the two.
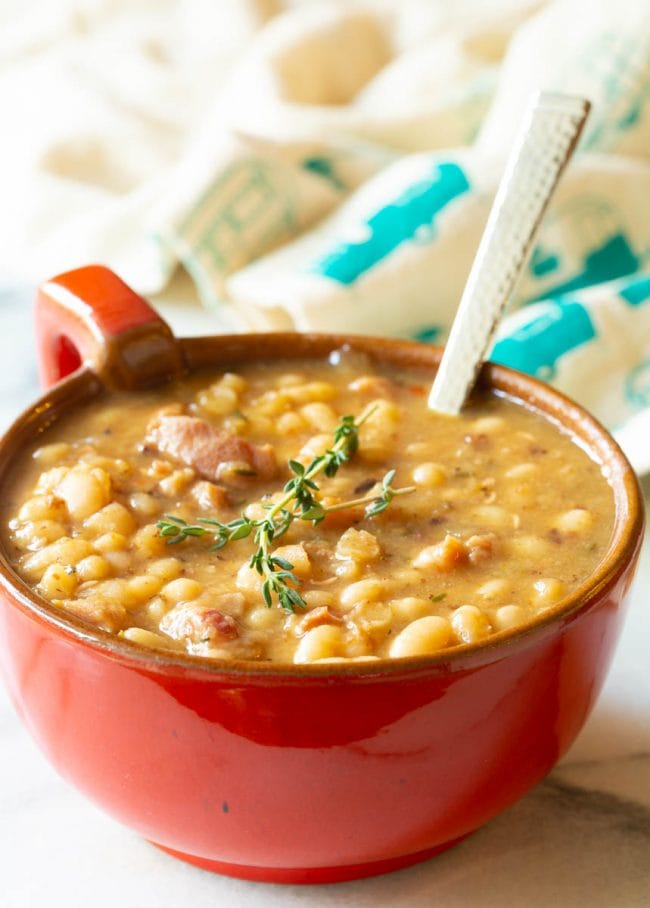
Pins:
x: 91, y: 317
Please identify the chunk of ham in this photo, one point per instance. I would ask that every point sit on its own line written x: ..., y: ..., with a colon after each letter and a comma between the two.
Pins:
x: 214, y: 454
x: 317, y: 616
x: 198, y: 624
x: 481, y: 548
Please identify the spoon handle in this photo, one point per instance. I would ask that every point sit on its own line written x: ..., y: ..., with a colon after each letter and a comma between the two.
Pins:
x: 541, y: 151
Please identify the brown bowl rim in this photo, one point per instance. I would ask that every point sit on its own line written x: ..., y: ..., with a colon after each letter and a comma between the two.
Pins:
x: 627, y: 533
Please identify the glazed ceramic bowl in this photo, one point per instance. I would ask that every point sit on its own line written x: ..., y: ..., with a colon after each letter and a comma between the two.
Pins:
x: 295, y: 773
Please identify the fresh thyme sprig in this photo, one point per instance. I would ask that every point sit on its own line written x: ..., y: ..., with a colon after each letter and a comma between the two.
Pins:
x: 178, y: 530
x: 299, y: 502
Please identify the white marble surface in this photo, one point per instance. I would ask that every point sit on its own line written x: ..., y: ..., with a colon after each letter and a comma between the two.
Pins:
x: 580, y: 838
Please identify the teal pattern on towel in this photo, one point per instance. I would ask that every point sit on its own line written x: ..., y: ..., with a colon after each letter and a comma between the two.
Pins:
x: 554, y: 328
x: 637, y: 292
x: 614, y: 258
x: 395, y: 223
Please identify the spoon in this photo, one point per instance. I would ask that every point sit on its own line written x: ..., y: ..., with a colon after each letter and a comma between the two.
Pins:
x: 543, y: 148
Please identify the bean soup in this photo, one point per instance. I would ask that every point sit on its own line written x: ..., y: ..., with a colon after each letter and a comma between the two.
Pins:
x: 303, y: 511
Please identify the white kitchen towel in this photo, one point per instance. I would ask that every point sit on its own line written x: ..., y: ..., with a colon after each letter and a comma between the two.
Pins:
x: 337, y: 173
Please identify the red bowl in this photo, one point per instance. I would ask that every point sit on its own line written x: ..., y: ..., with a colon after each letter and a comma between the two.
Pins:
x: 295, y: 773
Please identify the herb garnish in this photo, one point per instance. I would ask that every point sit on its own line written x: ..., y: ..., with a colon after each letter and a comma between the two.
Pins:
x: 298, y: 503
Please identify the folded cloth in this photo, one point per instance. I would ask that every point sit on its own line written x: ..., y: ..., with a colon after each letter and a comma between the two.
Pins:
x: 342, y: 175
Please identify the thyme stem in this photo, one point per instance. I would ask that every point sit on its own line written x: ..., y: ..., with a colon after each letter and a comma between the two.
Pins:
x: 367, y: 499
x: 320, y: 464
